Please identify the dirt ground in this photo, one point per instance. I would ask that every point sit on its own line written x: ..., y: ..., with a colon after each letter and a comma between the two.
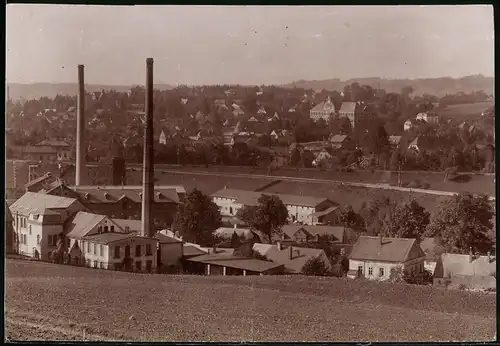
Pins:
x: 51, y: 302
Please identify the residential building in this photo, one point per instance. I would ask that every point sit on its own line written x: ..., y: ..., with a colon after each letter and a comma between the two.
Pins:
x: 348, y: 110
x: 409, y: 124
x: 224, y: 264
x: 395, y: 140
x: 324, y: 155
x: 422, y: 143
x: 63, y: 150
x: 375, y: 257
x: 163, y: 138
x: 38, y: 153
x: 227, y: 233
x: 124, y: 201
x: 39, y: 222
x: 428, y: 118
x: 291, y: 257
x: 305, y: 209
x: 470, y: 271
x: 324, y: 110
x: 312, y: 234
x: 339, y: 141
x: 432, y: 251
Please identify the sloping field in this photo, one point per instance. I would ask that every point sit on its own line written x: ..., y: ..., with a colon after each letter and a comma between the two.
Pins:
x: 478, y: 183
x: 50, y: 301
x: 462, y: 111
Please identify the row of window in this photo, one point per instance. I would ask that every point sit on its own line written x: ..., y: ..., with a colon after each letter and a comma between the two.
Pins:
x: 413, y: 270
x: 21, y: 221
x: 138, y: 251
x: 98, y: 264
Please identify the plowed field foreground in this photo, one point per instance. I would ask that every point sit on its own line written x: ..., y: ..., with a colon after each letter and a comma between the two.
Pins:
x: 51, y: 302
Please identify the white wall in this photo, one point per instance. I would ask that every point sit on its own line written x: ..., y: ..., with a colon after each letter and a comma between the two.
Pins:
x: 133, y: 242
x: 33, y: 229
x: 416, y: 264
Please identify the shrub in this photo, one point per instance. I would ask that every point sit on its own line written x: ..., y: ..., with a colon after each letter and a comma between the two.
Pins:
x: 314, y: 267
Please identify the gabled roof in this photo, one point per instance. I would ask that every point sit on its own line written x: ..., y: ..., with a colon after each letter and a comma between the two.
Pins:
x: 300, y: 255
x: 165, y: 239
x: 348, y: 107
x: 82, y: 223
x: 39, y: 150
x: 190, y: 250
x: 326, y: 105
x: 112, y: 194
x: 36, y: 203
x: 338, y: 138
x: 107, y: 238
x: 395, y: 139
x: 250, y: 197
x: 383, y: 249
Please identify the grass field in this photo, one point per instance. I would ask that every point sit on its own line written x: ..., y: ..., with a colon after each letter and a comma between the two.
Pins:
x: 45, y: 301
x: 465, y: 110
x: 478, y: 183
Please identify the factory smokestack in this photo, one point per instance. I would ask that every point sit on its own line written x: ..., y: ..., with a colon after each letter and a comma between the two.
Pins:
x: 148, y: 164
x: 80, y: 128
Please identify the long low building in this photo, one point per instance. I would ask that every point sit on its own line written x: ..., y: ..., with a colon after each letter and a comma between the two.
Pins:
x: 306, y: 209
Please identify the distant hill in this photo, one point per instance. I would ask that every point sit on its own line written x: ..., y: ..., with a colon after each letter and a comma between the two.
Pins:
x: 434, y: 86
x: 37, y: 90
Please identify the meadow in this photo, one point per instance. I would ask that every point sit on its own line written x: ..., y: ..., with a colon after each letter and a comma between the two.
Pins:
x: 48, y: 301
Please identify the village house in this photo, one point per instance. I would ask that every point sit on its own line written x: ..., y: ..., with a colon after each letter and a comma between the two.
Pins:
x: 470, y: 271
x: 36, y: 153
x: 433, y: 251
x: 321, y: 156
x: 305, y: 209
x: 423, y: 143
x: 39, y: 222
x: 311, y: 234
x: 348, y: 110
x: 324, y: 110
x: 124, y: 201
x: 375, y: 257
x: 163, y: 138
x: 428, y: 118
x: 63, y: 150
x: 339, y: 141
x: 394, y: 141
x: 227, y: 233
x: 291, y: 257
x: 409, y: 124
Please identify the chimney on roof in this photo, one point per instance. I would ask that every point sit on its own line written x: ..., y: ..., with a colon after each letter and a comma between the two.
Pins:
x: 471, y: 257
x: 80, y: 128
x: 148, y: 164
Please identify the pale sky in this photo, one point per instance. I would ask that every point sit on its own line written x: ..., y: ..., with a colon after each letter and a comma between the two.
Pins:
x: 246, y: 44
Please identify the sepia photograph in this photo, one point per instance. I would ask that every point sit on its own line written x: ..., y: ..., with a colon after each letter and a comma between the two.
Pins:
x: 250, y: 173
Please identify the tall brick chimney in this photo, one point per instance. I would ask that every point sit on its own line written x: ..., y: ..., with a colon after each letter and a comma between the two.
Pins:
x: 148, y: 164
x: 80, y: 129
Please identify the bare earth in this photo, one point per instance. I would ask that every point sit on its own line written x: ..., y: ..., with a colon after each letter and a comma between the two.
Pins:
x: 51, y: 302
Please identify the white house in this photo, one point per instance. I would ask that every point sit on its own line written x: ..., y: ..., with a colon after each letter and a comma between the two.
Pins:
x: 375, y: 257
x: 163, y: 138
x: 428, y: 118
x: 305, y: 209
x: 323, y: 110
x: 38, y: 222
x: 408, y: 125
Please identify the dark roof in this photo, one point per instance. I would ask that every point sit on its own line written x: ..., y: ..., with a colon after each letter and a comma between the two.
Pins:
x: 190, y: 250
x: 107, y: 194
x: 336, y: 231
x: 383, y: 249
x: 165, y: 239
x: 82, y: 223
x: 347, y: 107
x: 300, y: 255
x: 39, y: 150
x: 244, y: 263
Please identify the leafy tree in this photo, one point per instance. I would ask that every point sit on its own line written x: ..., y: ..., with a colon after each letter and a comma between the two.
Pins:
x: 352, y: 220
x: 267, y: 217
x: 374, y: 213
x: 314, y: 267
x: 197, y: 218
x: 407, y: 221
x: 295, y: 158
x: 463, y: 222
x: 235, y: 241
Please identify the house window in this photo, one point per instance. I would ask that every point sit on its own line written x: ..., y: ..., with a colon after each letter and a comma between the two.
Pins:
x: 88, y: 247
x: 381, y: 272
x: 88, y: 263
x: 105, y: 229
x: 38, y: 239
x: 101, y: 265
x: 30, y: 230
x: 148, y: 250
x: 149, y: 266
x: 99, y: 229
x: 94, y: 246
x: 117, y: 251
x: 101, y: 252
x: 360, y: 269
x: 95, y: 264
x: 138, y: 265
x: 370, y: 271
x: 112, y: 228
x: 137, y: 250
x: 231, y: 210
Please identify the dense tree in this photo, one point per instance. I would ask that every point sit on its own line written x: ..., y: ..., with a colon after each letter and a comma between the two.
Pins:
x: 406, y: 221
x: 235, y: 241
x: 352, y: 220
x: 374, y: 212
x: 267, y: 217
x: 197, y: 218
x: 314, y: 267
x: 463, y: 222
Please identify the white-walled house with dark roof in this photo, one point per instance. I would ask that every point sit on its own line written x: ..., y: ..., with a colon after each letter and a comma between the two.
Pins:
x: 306, y: 209
x: 374, y: 257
